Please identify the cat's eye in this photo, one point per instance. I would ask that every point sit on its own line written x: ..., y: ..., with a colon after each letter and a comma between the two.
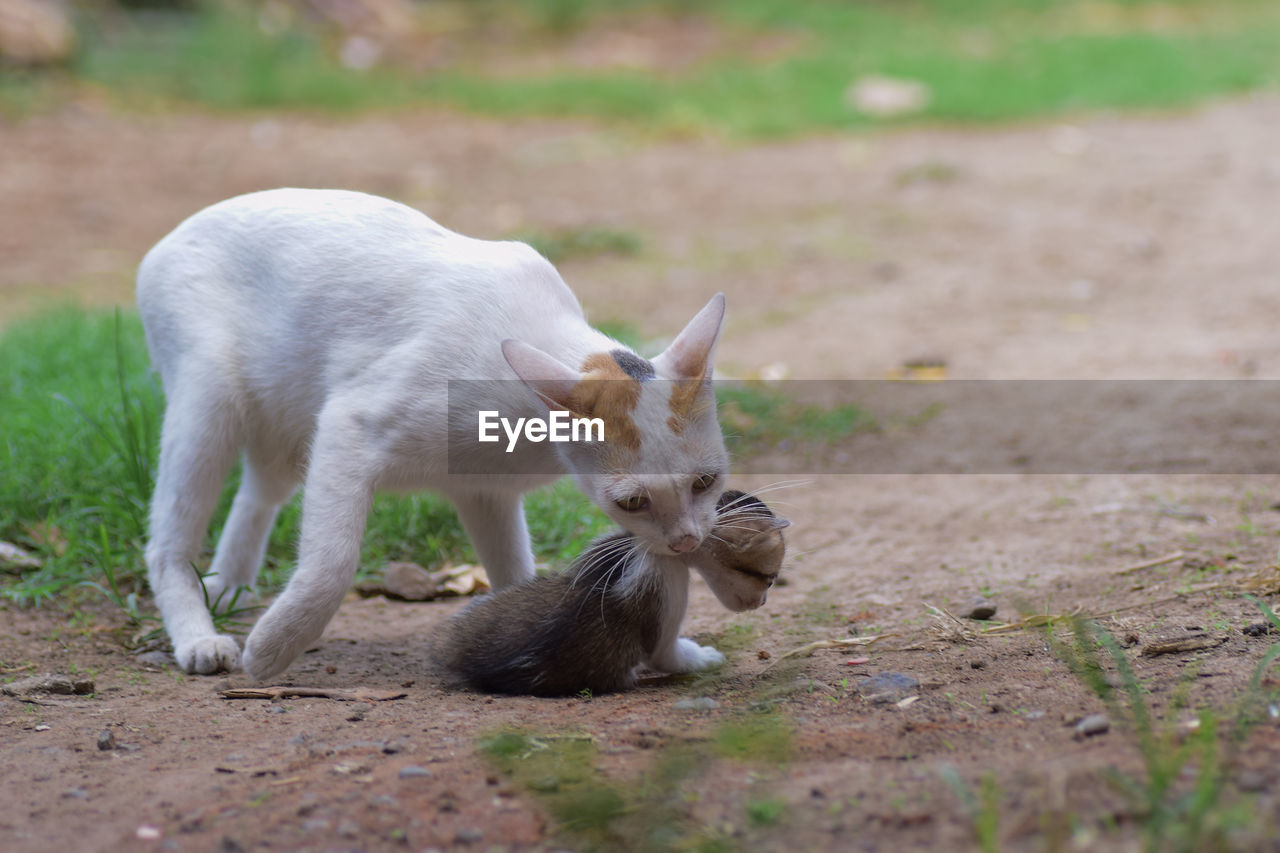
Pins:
x: 704, y: 482
x: 635, y: 503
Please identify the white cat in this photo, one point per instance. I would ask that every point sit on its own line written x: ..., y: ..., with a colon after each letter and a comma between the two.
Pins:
x: 315, y: 331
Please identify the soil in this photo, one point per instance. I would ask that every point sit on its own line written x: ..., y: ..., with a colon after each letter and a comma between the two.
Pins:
x: 1111, y: 247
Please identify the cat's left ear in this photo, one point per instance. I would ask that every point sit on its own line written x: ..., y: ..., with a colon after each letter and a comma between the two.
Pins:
x: 689, y: 356
x: 547, y: 376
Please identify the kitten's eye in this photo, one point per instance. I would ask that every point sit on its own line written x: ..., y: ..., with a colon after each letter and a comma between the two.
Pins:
x: 635, y: 503
x: 704, y: 482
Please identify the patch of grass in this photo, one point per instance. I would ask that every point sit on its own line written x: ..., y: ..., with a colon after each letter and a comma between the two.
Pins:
x: 758, y: 416
x: 79, y: 423
x: 1182, y: 800
x: 587, y: 241
x: 766, y: 812
x: 980, y: 60
x: 649, y: 813
x: 759, y: 738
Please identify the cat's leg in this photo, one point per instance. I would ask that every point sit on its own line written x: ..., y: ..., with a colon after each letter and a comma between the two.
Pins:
x: 495, y: 523
x: 243, y: 544
x: 197, y: 446
x: 335, y: 505
x: 673, y: 653
x: 684, y: 655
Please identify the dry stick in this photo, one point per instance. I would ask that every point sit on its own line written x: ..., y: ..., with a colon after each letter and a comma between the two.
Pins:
x: 809, y: 648
x: 353, y: 694
x: 1147, y: 564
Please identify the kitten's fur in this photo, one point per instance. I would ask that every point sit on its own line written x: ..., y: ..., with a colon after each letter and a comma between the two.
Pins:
x: 615, y: 608
x: 314, y: 331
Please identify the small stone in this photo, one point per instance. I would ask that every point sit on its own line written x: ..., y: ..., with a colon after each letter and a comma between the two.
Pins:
x: 160, y: 659
x: 763, y: 655
x: 106, y: 740
x: 147, y: 832
x: 414, y: 771
x: 1035, y: 715
x: 977, y: 663
x: 979, y: 608
x: 276, y: 708
x: 1094, y: 724
x: 315, y: 824
x: 1258, y: 629
x: 886, y: 687
x: 75, y: 794
x: 348, y: 829
x: 1251, y: 781
x: 58, y: 684
x: 699, y: 703
x: 409, y: 581
x: 41, y: 728
x: 468, y: 835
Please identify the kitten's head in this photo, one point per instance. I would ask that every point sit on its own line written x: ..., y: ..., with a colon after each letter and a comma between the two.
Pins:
x: 662, y: 462
x: 742, y: 558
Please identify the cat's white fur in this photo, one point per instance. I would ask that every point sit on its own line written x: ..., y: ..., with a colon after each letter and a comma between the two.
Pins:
x: 313, y: 332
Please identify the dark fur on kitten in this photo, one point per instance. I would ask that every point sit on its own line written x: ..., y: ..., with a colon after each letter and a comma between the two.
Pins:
x: 617, y: 607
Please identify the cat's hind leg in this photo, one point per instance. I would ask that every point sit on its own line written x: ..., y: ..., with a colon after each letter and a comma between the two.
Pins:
x: 243, y: 544
x: 494, y: 521
x: 197, y: 446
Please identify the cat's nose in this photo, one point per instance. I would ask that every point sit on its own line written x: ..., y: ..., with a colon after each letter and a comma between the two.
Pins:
x: 684, y: 544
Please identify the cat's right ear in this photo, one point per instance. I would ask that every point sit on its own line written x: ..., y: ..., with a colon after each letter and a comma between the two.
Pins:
x: 546, y: 376
x: 690, y: 354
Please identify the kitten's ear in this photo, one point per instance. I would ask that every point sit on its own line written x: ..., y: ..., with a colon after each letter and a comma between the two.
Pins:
x: 779, y: 523
x: 689, y: 356
x: 546, y: 376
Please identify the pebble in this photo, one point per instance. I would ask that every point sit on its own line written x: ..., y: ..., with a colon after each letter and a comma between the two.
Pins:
x: 58, y: 684
x: 1258, y: 629
x: 76, y: 794
x: 348, y: 829
x: 468, y: 835
x: 979, y: 608
x: 700, y: 703
x: 274, y: 708
x: 409, y: 581
x: 106, y: 740
x: 154, y: 658
x: 1094, y: 724
x: 885, y: 687
x: 414, y: 771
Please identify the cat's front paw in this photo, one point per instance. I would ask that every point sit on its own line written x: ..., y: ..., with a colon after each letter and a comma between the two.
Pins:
x: 208, y: 655
x: 688, y: 656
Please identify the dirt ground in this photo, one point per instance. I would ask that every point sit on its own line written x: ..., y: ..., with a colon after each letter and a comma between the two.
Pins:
x: 1111, y: 247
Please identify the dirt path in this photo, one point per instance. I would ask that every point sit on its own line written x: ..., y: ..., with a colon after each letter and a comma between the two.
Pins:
x: 1135, y: 248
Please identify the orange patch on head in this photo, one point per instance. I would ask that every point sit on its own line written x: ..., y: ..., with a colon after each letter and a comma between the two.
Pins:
x: 609, y: 393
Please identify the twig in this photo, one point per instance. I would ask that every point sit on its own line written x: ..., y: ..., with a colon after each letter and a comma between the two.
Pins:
x: 342, y: 694
x: 1147, y: 564
x: 809, y: 648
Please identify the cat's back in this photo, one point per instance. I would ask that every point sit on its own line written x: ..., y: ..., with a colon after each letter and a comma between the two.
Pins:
x: 334, y: 279
x: 326, y: 244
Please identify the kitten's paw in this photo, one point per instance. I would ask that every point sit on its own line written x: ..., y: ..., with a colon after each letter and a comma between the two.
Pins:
x: 208, y: 655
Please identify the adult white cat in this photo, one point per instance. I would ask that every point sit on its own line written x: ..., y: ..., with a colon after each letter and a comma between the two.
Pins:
x: 315, y: 331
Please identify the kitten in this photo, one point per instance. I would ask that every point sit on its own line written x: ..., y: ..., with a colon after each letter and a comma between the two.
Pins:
x: 314, y: 332
x: 617, y: 607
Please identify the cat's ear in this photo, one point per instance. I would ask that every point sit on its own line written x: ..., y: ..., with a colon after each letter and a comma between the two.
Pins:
x: 779, y: 523
x: 689, y: 356
x: 546, y: 376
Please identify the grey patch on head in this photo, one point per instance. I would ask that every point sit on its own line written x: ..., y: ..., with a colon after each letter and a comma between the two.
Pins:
x: 633, y: 365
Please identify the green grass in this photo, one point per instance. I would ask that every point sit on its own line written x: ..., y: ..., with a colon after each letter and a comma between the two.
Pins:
x: 651, y: 812
x: 79, y: 423
x: 982, y: 60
